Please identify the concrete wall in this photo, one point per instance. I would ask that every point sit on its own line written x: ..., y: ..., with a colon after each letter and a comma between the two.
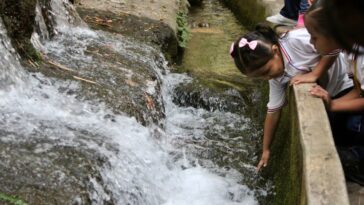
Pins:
x: 323, y: 178
x: 305, y: 164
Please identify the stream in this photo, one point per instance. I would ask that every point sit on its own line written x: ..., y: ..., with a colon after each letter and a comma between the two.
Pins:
x: 63, y: 144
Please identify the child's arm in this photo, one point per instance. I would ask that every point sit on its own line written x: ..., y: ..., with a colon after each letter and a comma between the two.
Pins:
x: 270, y: 125
x: 324, y: 64
x: 351, y: 102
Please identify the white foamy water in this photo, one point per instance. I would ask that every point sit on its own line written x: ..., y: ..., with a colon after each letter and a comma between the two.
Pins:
x: 8, y: 60
x: 143, y: 164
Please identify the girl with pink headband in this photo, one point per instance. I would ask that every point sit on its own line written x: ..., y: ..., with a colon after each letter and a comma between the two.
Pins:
x: 263, y: 54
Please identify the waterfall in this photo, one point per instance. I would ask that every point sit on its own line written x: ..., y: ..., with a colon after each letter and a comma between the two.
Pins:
x: 129, y: 163
x: 9, y: 61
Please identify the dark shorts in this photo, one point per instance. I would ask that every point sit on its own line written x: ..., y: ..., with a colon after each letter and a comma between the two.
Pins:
x: 347, y: 128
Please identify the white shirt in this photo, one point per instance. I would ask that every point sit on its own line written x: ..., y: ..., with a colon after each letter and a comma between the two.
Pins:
x: 359, y: 73
x: 299, y: 57
x: 360, y: 70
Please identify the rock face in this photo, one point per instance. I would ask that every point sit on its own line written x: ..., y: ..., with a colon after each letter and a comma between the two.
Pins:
x: 19, y: 18
x: 147, y: 30
x: 151, y: 21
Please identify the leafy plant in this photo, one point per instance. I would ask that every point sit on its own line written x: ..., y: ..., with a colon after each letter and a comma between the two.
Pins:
x: 11, y: 199
x: 182, y: 29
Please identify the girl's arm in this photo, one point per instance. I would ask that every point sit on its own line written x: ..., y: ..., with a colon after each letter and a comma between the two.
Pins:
x: 351, y: 102
x: 324, y: 64
x: 270, y: 125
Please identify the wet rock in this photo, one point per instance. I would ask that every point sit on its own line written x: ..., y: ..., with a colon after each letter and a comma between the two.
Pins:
x: 19, y: 18
x: 196, y: 95
x: 59, y: 175
x: 144, y: 29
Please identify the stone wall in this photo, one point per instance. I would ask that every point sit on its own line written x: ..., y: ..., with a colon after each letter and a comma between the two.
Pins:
x: 305, y: 164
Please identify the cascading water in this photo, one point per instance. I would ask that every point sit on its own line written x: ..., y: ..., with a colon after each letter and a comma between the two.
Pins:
x: 9, y: 61
x: 84, y: 153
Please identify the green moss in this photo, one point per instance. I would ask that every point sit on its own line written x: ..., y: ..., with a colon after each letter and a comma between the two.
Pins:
x: 11, y: 199
x: 182, y: 29
x: 248, y: 12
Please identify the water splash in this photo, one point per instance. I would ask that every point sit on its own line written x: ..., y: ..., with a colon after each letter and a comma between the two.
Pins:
x: 9, y: 60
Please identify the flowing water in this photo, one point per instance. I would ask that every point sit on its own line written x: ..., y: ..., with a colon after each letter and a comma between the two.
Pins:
x: 67, y: 144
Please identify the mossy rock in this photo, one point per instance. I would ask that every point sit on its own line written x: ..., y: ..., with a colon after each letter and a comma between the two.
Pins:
x: 19, y: 19
x: 149, y: 31
x: 248, y: 12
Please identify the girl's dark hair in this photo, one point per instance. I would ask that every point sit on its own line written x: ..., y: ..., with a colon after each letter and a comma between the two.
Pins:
x: 346, y: 21
x: 321, y: 23
x: 340, y: 19
x: 248, y: 60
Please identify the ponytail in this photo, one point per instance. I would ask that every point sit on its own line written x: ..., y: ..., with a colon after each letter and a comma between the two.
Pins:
x: 247, y: 59
x: 268, y: 33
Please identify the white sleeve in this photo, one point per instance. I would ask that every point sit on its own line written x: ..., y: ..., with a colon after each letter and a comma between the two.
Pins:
x: 360, y: 70
x: 277, y: 96
x: 304, y: 55
x: 299, y: 40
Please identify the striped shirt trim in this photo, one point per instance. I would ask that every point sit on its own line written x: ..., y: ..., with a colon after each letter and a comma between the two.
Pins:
x: 289, y: 59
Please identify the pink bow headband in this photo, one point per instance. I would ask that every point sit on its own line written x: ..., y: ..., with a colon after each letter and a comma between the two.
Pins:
x: 243, y: 42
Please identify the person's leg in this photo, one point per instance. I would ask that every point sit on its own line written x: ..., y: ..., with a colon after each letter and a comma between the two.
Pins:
x: 352, y: 160
x: 290, y: 9
x: 288, y: 15
x: 303, y: 6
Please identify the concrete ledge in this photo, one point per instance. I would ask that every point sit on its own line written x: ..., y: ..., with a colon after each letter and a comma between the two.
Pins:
x: 323, y: 179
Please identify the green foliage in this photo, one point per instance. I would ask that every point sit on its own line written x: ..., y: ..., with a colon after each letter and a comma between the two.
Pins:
x: 11, y: 199
x: 182, y: 29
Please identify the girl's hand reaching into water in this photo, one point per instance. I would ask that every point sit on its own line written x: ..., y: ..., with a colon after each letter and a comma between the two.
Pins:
x: 305, y: 78
x: 318, y: 91
x: 264, y: 160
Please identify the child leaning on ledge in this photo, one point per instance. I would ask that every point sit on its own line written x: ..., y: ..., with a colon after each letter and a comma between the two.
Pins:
x: 349, y: 131
x: 263, y: 54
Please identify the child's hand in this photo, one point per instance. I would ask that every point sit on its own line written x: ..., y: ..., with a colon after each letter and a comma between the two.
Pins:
x: 318, y: 91
x: 264, y: 160
x: 305, y: 78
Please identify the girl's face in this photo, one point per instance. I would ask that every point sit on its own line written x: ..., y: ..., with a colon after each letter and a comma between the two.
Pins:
x: 273, y: 68
x: 323, y: 43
